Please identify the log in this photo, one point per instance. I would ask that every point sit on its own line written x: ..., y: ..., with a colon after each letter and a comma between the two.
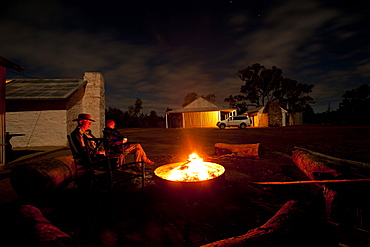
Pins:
x: 36, y: 230
x: 30, y: 180
x: 337, y: 166
x: 317, y: 181
x: 252, y: 151
x: 290, y: 226
x: 338, y: 196
x: 313, y: 168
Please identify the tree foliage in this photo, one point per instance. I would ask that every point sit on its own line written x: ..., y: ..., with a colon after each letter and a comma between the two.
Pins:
x: 190, y: 97
x: 132, y: 118
x: 355, y: 105
x: 262, y: 85
x: 352, y: 109
x: 134, y: 111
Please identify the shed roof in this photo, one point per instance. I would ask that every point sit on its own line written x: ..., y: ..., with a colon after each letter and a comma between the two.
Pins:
x: 42, y: 89
x: 261, y: 109
x: 201, y: 105
x: 254, y: 110
x: 202, y: 109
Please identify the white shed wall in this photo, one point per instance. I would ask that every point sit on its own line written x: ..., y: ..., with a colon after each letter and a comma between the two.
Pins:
x: 41, y: 128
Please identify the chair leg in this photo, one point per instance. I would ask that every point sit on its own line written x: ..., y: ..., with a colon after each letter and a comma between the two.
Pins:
x: 143, y: 175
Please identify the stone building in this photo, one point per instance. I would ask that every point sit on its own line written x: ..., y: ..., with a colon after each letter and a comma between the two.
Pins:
x: 43, y: 109
x: 271, y: 115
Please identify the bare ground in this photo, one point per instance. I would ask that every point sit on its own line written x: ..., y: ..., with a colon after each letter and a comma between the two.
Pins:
x: 158, y: 218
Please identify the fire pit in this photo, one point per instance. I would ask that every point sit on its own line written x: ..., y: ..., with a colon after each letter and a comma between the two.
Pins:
x: 192, y: 178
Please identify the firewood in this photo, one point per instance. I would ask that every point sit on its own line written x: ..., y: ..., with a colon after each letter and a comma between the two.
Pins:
x: 288, y: 227
x: 317, y: 181
x: 35, y: 179
x: 311, y: 162
x: 338, y: 196
x: 38, y: 231
x: 252, y: 151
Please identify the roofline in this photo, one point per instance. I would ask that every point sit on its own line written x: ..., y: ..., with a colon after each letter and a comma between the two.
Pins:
x: 9, y: 64
x: 184, y: 110
x: 82, y: 84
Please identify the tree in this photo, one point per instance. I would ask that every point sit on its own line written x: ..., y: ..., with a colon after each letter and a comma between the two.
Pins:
x: 211, y: 97
x: 153, y: 120
x: 138, y: 106
x: 117, y: 115
x: 355, y: 105
x: 264, y: 85
x: 132, y: 117
x: 190, y: 97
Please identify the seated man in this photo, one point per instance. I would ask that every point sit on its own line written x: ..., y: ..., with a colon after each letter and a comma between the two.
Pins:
x: 118, y: 143
x: 78, y: 136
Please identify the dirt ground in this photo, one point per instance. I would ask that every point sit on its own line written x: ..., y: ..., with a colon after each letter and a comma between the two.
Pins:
x: 155, y: 217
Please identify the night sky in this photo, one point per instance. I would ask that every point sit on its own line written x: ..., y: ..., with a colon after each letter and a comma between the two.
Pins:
x: 159, y: 51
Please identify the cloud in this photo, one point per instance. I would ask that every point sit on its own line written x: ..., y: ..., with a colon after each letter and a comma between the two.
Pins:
x: 308, y: 41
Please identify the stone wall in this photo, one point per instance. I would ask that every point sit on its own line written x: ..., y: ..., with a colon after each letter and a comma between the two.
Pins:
x: 94, y: 101
x: 275, y: 115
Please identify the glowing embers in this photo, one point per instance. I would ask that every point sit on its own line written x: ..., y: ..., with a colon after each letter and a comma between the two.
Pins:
x: 194, y: 170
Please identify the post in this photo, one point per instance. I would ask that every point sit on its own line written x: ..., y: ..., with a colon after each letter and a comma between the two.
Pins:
x: 2, y: 116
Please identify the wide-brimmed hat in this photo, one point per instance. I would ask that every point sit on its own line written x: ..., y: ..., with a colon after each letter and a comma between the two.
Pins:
x: 84, y: 116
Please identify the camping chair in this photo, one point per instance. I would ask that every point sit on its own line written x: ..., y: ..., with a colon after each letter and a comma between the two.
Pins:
x: 82, y: 167
x: 113, y: 165
x: 125, y: 166
x: 87, y: 168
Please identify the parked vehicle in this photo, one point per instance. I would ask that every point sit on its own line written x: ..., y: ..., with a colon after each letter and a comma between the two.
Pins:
x: 237, y: 121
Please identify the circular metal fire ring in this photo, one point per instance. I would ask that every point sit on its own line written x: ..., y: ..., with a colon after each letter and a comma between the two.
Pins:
x: 189, y: 189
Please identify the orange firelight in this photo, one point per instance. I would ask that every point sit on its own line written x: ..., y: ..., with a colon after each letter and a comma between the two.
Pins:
x: 195, y: 169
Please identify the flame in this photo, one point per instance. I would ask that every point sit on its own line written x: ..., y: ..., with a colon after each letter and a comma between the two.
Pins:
x: 195, y: 169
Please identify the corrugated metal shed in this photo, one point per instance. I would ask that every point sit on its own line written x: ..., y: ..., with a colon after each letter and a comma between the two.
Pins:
x: 199, y: 113
x: 200, y: 105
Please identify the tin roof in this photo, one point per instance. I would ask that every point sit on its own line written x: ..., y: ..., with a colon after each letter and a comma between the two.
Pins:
x: 200, y: 105
x: 201, y: 109
x: 42, y: 89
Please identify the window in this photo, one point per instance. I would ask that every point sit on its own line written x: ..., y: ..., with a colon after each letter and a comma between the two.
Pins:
x: 241, y: 118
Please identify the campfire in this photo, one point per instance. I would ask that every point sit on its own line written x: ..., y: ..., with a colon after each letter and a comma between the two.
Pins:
x: 192, y: 178
x: 194, y: 170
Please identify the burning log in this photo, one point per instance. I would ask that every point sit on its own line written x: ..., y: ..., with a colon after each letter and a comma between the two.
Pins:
x: 193, y: 170
x: 288, y: 227
x: 252, y: 151
x: 191, y: 179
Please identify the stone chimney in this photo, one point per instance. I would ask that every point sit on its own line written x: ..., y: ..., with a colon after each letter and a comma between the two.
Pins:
x: 93, y: 103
